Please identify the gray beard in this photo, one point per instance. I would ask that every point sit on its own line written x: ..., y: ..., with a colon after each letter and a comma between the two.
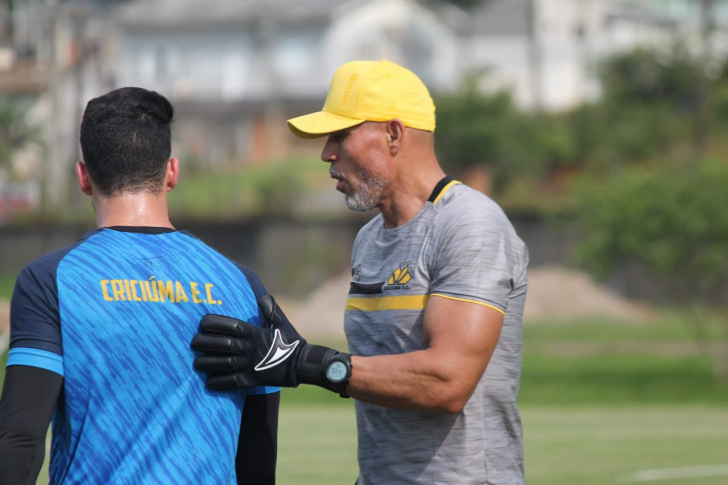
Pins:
x: 367, y: 195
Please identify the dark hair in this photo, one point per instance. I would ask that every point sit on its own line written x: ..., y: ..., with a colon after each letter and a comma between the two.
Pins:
x: 126, y: 140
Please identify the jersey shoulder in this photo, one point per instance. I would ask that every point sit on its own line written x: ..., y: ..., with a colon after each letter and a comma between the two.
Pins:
x: 464, y: 212
x: 34, y: 311
x: 42, y: 270
x: 253, y: 280
x: 463, y: 203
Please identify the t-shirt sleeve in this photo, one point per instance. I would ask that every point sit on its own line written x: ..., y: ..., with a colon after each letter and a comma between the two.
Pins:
x: 35, y: 327
x: 474, y: 259
x: 259, y: 291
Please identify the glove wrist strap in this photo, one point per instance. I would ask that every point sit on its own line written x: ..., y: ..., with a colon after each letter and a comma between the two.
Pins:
x: 312, y: 363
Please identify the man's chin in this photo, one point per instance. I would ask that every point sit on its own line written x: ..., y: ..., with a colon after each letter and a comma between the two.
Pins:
x: 356, y: 206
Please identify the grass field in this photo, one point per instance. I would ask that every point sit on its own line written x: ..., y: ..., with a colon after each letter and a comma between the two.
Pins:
x: 587, y: 445
x: 601, y: 402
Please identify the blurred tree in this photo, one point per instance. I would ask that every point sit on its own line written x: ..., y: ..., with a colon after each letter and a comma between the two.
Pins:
x: 472, y: 127
x: 475, y: 129
x: 648, y: 76
x: 671, y: 220
x: 15, y: 132
x: 650, y: 100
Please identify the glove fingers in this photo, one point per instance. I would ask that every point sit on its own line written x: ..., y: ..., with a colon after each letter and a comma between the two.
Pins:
x: 267, y: 305
x: 219, y: 324
x: 219, y: 363
x: 277, y: 319
x: 220, y: 344
x: 227, y: 382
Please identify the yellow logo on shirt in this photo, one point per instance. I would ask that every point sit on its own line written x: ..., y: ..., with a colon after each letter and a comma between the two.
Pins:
x: 158, y: 291
x: 399, y: 278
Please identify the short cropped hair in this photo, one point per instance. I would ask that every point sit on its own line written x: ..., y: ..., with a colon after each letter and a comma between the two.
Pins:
x: 126, y: 140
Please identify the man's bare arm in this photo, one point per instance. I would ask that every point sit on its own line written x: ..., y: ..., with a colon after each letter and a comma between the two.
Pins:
x: 461, y: 338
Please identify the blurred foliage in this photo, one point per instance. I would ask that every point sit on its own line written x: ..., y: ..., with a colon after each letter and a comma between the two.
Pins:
x: 647, y: 113
x: 656, y: 201
x: 649, y: 76
x: 671, y: 219
x: 475, y: 129
x: 653, y: 199
x: 262, y: 190
x: 15, y: 132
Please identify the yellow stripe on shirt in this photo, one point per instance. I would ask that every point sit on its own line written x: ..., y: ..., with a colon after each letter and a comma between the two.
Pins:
x: 406, y: 302
x: 470, y: 301
x: 445, y: 189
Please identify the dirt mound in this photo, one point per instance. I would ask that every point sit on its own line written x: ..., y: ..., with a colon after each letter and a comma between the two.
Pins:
x: 557, y: 293
x: 322, y: 313
x: 554, y: 293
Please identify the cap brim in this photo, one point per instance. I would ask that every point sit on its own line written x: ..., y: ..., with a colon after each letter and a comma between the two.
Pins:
x: 321, y: 123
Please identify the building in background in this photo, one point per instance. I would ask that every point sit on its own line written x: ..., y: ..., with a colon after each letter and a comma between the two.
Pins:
x: 237, y: 69
x: 547, y: 51
x: 62, y: 53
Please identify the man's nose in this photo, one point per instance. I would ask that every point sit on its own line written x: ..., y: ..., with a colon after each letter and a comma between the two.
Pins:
x: 330, y: 152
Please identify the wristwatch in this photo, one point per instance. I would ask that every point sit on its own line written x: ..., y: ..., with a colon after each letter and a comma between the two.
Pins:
x: 338, y: 373
x: 325, y: 367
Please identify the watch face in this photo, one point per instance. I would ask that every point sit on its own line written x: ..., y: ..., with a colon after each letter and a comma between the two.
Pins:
x: 336, y: 371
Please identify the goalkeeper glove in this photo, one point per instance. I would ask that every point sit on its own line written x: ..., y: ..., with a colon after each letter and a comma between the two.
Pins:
x: 239, y: 354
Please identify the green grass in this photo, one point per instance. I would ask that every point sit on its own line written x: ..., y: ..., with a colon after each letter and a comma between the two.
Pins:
x: 619, y: 379
x: 317, y: 445
x: 668, y: 327
x: 595, y: 445
x: 589, y: 445
x: 600, y: 401
x: 7, y: 283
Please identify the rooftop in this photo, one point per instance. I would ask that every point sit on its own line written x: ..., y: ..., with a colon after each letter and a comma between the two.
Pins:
x: 189, y: 13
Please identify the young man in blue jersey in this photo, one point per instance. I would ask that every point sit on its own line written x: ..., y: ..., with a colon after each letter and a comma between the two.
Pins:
x: 100, y: 331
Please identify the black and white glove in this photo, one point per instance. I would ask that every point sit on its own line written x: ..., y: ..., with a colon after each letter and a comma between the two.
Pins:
x: 239, y: 354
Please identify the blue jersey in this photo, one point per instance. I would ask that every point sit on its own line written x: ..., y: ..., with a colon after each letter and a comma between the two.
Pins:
x: 114, y: 314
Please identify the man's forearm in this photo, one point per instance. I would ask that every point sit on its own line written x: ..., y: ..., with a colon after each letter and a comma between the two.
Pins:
x: 421, y: 380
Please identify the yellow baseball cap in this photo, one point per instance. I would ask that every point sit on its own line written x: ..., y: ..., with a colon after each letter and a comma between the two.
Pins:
x: 369, y: 91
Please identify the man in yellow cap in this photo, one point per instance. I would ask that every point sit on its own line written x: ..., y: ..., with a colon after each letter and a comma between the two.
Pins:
x: 434, y: 314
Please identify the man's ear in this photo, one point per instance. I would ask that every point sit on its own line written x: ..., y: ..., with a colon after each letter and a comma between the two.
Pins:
x: 395, y: 135
x: 170, y: 181
x: 84, y: 181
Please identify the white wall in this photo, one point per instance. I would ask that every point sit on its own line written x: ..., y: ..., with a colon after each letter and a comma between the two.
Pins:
x: 200, y: 65
x: 400, y: 31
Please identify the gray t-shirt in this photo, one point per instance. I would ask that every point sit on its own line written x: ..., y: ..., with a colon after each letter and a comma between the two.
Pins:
x: 460, y: 246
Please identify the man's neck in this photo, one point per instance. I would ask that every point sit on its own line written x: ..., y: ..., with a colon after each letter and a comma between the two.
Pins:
x: 132, y: 209
x: 408, y: 197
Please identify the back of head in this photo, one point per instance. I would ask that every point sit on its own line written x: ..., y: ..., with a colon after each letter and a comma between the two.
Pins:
x: 126, y: 140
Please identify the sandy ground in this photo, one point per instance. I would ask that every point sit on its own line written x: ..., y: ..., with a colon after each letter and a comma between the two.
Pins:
x: 557, y: 293
x: 322, y: 313
x: 554, y: 293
